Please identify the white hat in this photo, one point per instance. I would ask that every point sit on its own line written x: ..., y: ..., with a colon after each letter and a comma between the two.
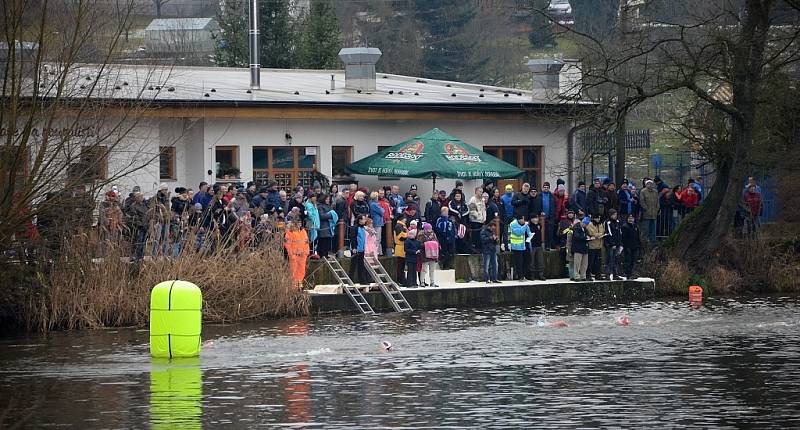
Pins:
x: 163, y: 186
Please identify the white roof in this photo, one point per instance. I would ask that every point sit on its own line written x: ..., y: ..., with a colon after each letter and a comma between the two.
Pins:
x: 214, y: 85
x: 178, y: 24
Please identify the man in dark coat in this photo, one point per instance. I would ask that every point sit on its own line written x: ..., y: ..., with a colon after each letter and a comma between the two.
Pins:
x: 577, y: 202
x: 522, y: 201
x: 596, y: 200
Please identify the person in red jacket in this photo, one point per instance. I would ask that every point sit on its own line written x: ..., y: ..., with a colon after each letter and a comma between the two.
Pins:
x: 689, y: 198
x: 754, y: 205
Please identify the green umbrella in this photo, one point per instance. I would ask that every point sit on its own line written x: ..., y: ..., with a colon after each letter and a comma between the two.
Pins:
x: 434, y: 154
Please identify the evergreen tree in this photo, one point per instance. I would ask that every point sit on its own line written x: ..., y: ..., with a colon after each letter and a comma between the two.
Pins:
x: 277, y: 35
x: 446, y: 49
x: 541, y: 35
x: 319, y: 38
x: 231, y: 49
x: 276, y: 40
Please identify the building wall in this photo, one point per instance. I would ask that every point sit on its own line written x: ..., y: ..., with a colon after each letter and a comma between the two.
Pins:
x: 366, y: 136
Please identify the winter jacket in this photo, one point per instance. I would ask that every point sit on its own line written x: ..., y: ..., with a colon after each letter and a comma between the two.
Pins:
x: 649, y: 201
x: 203, y: 198
x: 387, y: 210
x: 361, y: 239
x: 689, y: 200
x: 376, y: 213
x: 613, y: 200
x: 580, y: 244
x: 563, y: 225
x: 521, y: 203
x: 413, y: 250
x: 508, y: 208
x: 630, y: 236
x: 459, y: 209
x: 613, y: 233
x: 358, y: 208
x: 273, y: 199
x: 595, y: 231
x: 597, y: 202
x: 578, y: 201
x: 625, y: 202
x: 492, y: 212
x: 536, y: 231
x: 517, y: 234
x: 445, y: 231
x: 400, y: 235
x: 180, y: 206
x: 477, y: 211
x: 488, y: 241
x: 325, y: 219
x: 753, y: 203
x: 546, y: 202
x: 433, y: 209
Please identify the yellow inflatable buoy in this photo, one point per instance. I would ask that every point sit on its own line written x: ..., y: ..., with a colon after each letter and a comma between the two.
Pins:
x: 175, y: 319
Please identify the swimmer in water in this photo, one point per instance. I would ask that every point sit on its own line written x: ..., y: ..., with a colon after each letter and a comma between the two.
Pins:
x: 623, y: 320
x: 559, y: 323
x: 386, y: 346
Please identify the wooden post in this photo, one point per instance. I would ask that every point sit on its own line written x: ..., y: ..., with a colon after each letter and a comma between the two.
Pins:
x: 388, y: 236
x: 542, y: 220
x: 497, y: 227
x: 341, y: 232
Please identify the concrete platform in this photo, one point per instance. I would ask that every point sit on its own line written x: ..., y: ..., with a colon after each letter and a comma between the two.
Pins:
x: 450, y: 294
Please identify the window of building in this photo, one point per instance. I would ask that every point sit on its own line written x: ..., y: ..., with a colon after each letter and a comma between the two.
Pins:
x: 166, y: 163
x: 227, y: 161
x: 526, y: 158
x: 288, y: 166
x: 90, y: 165
x: 341, y: 156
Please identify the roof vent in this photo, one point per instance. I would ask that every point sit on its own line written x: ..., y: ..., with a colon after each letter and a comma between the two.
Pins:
x: 359, y: 67
x: 545, y: 78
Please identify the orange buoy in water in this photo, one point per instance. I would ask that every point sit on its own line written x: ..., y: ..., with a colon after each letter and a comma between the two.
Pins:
x: 695, y: 294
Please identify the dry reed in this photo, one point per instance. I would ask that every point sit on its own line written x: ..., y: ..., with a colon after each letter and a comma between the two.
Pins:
x: 86, y: 292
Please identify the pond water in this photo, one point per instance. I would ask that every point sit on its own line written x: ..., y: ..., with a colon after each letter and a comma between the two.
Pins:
x: 733, y: 363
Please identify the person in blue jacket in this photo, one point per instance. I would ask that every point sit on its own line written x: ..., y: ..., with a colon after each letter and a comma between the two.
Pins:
x: 357, y: 272
x: 518, y: 232
x: 508, y: 214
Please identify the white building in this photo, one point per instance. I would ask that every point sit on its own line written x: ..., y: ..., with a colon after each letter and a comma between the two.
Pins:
x: 206, y: 122
x: 181, y: 36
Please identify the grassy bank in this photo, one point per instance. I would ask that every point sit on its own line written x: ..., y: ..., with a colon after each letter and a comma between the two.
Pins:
x: 744, y: 267
x: 78, y: 290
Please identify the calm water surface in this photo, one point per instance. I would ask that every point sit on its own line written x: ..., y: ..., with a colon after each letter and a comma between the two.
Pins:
x: 730, y: 364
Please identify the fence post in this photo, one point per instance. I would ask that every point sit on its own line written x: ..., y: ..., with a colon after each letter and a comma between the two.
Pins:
x: 542, y: 220
x: 341, y: 232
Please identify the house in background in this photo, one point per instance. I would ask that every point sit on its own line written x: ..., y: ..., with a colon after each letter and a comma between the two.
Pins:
x: 193, y: 38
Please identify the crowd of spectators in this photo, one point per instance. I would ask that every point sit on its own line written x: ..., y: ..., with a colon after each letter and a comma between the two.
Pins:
x: 592, y: 221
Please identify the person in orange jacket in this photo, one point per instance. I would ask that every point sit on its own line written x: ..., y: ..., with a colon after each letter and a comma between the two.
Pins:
x: 296, y: 245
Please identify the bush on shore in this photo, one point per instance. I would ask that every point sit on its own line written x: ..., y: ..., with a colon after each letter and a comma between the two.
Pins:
x: 746, y: 266
x: 79, y: 291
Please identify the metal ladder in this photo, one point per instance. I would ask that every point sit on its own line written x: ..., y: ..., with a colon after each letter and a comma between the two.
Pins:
x: 386, y: 284
x: 348, y: 286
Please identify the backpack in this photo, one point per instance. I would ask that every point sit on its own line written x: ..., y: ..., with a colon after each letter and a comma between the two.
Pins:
x: 432, y: 249
x: 462, y: 231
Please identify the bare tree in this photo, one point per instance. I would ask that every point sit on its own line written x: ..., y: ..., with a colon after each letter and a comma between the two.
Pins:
x: 716, y: 56
x: 68, y: 127
x: 158, y: 5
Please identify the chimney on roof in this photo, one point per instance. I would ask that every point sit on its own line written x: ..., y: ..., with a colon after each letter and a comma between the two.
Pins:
x: 255, y: 63
x: 545, y: 78
x: 359, y: 67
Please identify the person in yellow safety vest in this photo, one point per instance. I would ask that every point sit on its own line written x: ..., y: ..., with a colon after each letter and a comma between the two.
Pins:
x: 518, y: 232
x: 400, y: 235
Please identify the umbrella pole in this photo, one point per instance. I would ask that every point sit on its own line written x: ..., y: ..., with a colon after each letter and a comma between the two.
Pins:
x: 434, y: 183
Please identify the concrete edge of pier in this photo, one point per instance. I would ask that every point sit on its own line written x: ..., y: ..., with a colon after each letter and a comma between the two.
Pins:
x: 508, y: 293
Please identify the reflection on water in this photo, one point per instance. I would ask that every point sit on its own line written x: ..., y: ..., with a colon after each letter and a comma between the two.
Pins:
x: 176, y: 393
x: 729, y: 364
